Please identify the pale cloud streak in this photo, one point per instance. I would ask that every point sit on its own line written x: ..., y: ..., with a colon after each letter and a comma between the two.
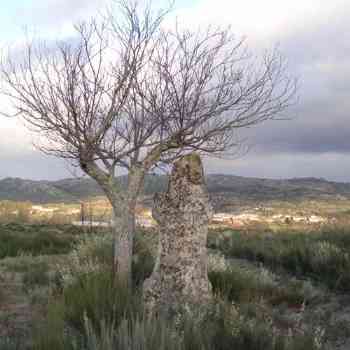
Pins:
x: 312, y: 34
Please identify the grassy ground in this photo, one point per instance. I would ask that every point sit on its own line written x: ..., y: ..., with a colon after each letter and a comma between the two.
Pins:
x: 323, y: 255
x: 273, y: 291
x: 38, y: 239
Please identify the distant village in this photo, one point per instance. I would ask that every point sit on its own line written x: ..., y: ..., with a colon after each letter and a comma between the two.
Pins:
x: 240, y: 220
x: 144, y: 219
x: 98, y: 213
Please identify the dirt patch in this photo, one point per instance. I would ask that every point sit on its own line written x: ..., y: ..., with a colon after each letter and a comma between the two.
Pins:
x: 16, y: 311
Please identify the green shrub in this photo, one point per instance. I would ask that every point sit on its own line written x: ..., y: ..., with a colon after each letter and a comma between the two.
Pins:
x: 319, y: 256
x: 235, y: 284
x: 293, y: 293
x: 50, y: 333
x: 138, y: 333
x: 226, y: 327
x: 241, y: 285
x: 143, y: 260
x: 99, y: 297
x: 96, y: 313
x: 36, y: 275
x: 94, y: 253
x: 34, y: 239
x: 102, y: 321
x: 7, y: 343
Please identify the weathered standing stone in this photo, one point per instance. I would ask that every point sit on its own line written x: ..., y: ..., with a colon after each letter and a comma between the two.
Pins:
x: 180, y: 276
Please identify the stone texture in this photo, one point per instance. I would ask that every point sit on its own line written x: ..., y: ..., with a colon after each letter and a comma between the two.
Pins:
x: 180, y: 275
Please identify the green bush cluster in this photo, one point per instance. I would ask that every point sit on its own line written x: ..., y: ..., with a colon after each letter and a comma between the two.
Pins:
x: 95, y: 312
x: 35, y: 239
x: 322, y: 256
x: 220, y: 327
x: 98, y: 296
x: 94, y: 253
x: 239, y: 285
x: 36, y: 275
x: 243, y: 286
x: 7, y: 343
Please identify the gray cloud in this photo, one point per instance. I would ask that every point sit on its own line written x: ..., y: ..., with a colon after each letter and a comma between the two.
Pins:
x: 320, y: 124
x: 314, y: 142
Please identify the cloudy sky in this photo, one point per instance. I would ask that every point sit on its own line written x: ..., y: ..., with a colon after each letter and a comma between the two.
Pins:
x: 312, y: 34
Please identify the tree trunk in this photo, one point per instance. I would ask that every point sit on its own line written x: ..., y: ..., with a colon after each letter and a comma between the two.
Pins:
x: 124, y: 226
x: 124, y: 205
x: 123, y: 229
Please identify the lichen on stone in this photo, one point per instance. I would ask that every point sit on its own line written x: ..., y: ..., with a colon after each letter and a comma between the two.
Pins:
x: 183, y: 213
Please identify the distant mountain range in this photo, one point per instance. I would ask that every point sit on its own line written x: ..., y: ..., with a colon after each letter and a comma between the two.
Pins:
x: 220, y: 187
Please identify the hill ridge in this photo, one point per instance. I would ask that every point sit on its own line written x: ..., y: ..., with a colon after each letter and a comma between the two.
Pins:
x: 75, y: 189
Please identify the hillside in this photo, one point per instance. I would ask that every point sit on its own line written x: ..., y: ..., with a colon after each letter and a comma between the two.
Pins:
x: 35, y: 191
x: 268, y: 189
x: 220, y: 186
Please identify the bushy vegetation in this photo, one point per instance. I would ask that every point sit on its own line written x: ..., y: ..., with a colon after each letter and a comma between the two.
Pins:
x: 86, y: 309
x: 36, y: 275
x: 240, y: 285
x: 7, y: 343
x: 18, y: 238
x: 92, y: 311
x: 221, y: 326
x: 323, y: 256
x: 97, y: 296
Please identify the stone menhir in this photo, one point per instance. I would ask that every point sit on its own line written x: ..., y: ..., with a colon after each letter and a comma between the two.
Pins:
x: 180, y: 276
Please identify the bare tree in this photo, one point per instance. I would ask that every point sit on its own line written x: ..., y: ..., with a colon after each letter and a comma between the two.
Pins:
x: 125, y: 93
x: 197, y: 90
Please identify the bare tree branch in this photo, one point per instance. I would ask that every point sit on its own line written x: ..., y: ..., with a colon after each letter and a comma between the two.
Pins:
x: 123, y: 92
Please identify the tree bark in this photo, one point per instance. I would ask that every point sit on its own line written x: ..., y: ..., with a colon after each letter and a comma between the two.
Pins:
x: 124, y: 206
x: 123, y: 229
x: 124, y: 226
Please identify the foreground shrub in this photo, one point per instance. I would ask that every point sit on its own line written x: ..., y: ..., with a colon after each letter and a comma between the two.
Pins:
x: 242, y: 285
x: 98, y: 296
x: 222, y: 327
x: 138, y: 334
x: 143, y: 260
x: 10, y: 344
x: 50, y: 334
x: 36, y: 275
x: 94, y: 253
x: 94, y: 312
x: 34, y: 240
x: 314, y: 255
